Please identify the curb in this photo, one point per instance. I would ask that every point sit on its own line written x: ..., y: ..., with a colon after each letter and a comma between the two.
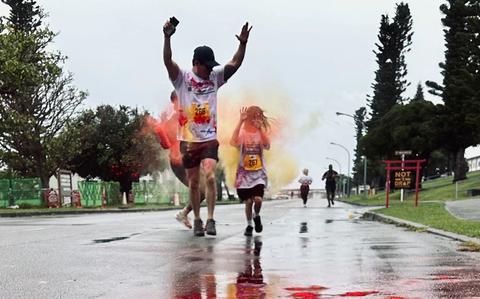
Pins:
x: 405, y: 223
x: 80, y: 211
x: 52, y: 212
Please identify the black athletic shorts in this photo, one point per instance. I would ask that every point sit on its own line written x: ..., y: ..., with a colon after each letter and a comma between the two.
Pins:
x: 194, y: 152
x: 257, y: 190
x: 331, y: 188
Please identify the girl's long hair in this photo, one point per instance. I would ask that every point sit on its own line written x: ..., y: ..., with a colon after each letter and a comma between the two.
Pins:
x: 257, y: 112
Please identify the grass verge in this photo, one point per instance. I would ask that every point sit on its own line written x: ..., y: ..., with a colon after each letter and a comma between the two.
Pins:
x: 435, y: 216
x: 431, y: 209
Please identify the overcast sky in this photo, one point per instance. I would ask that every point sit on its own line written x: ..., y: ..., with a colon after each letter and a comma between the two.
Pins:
x: 316, y: 54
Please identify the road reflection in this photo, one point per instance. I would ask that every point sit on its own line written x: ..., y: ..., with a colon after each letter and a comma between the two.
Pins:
x: 194, y: 278
x: 250, y: 282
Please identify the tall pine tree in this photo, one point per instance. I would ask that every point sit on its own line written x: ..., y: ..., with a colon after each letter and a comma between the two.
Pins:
x: 394, y: 40
x: 419, y: 96
x: 359, y: 118
x: 460, y: 89
x: 25, y: 15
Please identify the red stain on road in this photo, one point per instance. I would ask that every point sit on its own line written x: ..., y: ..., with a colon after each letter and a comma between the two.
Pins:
x: 305, y: 295
x: 444, y: 277
x: 310, y: 292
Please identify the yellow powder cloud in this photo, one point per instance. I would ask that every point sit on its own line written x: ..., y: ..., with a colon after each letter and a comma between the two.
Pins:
x: 280, y: 163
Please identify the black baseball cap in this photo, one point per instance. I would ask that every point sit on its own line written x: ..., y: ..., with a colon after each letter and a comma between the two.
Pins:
x: 205, y: 56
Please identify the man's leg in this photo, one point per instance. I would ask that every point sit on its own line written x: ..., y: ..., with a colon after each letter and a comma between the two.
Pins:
x: 194, y: 193
x: 208, y: 166
x: 333, y: 194
x: 188, y: 208
x: 193, y: 175
x: 211, y: 194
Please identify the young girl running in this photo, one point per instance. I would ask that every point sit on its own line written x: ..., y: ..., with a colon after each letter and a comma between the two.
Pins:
x: 251, y: 139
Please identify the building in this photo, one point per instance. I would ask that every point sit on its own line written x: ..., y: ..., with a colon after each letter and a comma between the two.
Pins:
x: 472, y: 155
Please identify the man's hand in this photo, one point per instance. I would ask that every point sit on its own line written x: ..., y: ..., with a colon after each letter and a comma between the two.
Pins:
x: 168, y: 29
x: 243, y: 37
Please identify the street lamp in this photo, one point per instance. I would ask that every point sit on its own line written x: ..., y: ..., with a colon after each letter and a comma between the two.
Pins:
x: 345, y: 114
x: 364, y: 157
x: 348, y: 169
x: 364, y: 176
x: 340, y: 171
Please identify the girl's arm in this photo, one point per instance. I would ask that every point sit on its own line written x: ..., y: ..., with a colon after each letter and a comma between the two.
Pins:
x: 234, y: 140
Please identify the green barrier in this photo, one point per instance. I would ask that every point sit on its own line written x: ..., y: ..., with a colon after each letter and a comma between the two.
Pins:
x: 112, y: 189
x: 91, y: 193
x: 150, y: 192
x: 22, y: 192
x: 4, y: 193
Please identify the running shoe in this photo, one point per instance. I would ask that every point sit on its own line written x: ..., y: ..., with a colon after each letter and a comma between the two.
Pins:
x: 198, y: 230
x: 182, y: 218
x: 248, y: 231
x: 210, y: 227
x: 258, y: 224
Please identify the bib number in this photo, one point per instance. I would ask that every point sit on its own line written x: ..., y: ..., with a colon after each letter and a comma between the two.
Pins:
x: 252, y: 162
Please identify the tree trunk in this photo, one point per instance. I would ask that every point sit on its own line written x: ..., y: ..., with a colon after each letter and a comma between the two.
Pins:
x: 460, y: 166
x: 42, y: 173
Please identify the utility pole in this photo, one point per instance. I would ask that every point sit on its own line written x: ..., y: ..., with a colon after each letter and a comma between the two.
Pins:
x: 365, y: 177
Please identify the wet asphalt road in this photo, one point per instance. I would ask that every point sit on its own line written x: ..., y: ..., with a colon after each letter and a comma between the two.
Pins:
x: 312, y: 252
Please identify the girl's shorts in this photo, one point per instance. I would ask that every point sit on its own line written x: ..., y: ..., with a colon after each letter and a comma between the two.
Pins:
x: 247, y: 193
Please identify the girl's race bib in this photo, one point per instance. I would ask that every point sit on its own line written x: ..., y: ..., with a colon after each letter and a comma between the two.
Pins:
x: 252, y: 162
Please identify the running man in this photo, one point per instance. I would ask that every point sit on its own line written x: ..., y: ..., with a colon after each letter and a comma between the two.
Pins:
x: 197, y: 120
x: 330, y: 184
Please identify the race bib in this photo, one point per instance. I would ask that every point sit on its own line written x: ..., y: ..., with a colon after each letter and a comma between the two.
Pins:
x: 252, y: 162
x: 201, y: 113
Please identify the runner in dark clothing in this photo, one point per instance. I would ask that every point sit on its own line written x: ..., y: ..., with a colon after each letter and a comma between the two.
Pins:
x: 331, y: 184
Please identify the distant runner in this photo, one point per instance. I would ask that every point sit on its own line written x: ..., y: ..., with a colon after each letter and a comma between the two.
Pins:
x: 330, y: 184
x: 305, y: 182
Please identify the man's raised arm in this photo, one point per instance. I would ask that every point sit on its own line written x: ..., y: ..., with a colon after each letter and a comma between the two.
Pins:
x: 172, y: 67
x: 232, y: 66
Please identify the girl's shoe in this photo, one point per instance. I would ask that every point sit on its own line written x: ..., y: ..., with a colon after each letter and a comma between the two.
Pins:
x: 248, y: 231
x: 258, y: 224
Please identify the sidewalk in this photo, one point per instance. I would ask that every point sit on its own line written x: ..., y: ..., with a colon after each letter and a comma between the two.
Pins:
x: 464, y: 209
x: 468, y: 209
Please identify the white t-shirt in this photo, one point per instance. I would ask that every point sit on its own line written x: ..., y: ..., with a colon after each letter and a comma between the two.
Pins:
x: 305, y: 180
x: 197, y: 114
